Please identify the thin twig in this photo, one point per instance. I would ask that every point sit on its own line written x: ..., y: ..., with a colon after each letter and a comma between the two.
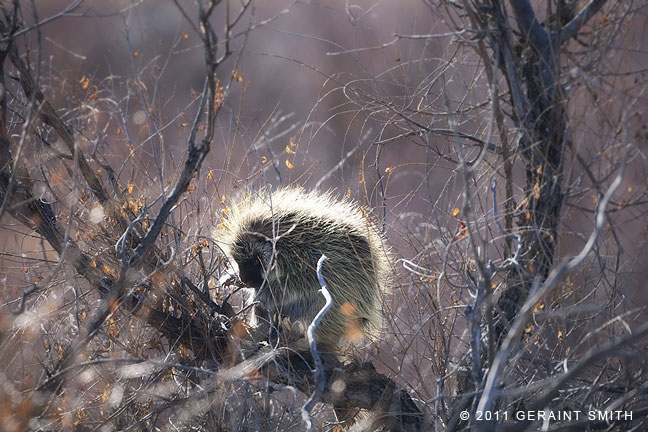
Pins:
x: 318, y: 372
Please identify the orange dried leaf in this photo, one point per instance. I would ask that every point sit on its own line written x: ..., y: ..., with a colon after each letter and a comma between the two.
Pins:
x: 355, y: 334
x: 463, y: 231
x: 107, y: 270
x: 347, y: 308
x: 106, y: 394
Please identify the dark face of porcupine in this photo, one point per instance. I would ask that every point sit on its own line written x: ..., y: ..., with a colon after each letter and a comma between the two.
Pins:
x: 253, y: 255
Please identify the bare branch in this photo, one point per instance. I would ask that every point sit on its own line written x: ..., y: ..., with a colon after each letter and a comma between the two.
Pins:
x: 573, y: 27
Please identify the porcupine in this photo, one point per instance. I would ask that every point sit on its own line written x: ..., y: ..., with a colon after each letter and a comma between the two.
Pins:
x: 276, y: 240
